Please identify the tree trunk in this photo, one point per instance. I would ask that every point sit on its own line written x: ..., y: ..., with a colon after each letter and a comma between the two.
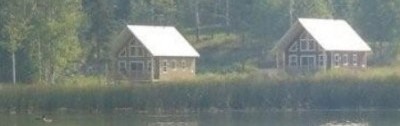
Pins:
x: 13, y: 68
x: 40, y: 63
x: 291, y: 12
x: 197, y: 14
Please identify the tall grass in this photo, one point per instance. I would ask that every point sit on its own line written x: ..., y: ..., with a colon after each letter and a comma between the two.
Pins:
x: 342, y: 89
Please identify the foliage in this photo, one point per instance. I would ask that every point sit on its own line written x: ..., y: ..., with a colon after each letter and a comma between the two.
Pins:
x: 52, y: 39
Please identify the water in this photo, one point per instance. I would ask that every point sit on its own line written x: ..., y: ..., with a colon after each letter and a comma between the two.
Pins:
x: 307, y: 118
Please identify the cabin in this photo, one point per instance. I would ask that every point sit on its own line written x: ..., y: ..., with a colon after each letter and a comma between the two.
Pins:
x: 312, y: 45
x: 152, y: 53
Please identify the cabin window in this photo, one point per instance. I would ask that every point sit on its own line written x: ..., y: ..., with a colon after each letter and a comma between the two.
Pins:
x: 307, y: 43
x: 337, y: 60
x: 183, y: 64
x: 355, y: 60
x: 135, y: 49
x: 123, y: 53
x: 345, y: 60
x: 122, y: 67
x: 294, y: 47
x: 173, y: 64
x: 307, y: 61
x: 136, y: 66
x: 149, y: 65
x: 321, y: 60
x: 164, y: 66
x: 293, y: 61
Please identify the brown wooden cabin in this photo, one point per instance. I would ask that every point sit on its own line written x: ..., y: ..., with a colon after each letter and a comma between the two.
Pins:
x: 152, y: 53
x: 319, y: 44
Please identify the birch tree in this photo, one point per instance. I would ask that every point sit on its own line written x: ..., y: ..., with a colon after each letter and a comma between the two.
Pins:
x: 17, y: 26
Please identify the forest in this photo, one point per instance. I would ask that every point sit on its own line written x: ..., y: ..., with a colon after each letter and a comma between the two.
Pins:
x: 50, y: 41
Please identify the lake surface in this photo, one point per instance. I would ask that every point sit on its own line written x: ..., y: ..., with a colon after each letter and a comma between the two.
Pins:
x: 305, y: 118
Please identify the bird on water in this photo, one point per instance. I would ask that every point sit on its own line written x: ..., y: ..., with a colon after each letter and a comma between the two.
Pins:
x: 44, y: 119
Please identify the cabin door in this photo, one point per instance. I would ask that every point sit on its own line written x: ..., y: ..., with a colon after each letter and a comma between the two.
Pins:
x: 156, y: 69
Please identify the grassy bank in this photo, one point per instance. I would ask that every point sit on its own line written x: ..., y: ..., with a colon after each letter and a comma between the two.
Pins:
x: 370, y: 89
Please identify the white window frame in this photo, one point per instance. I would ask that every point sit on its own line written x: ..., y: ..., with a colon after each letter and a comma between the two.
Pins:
x: 136, y: 62
x: 345, y: 59
x: 296, y: 61
x: 336, y: 60
x: 321, y: 61
x: 164, y: 66
x: 308, y: 56
x: 303, y: 45
x: 183, y: 65
x: 306, y: 42
x: 124, y: 67
x: 355, y: 59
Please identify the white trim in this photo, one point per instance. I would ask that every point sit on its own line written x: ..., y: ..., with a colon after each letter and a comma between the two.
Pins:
x: 345, y: 59
x: 136, y: 62
x: 303, y: 45
x: 183, y: 65
x: 336, y: 60
x: 296, y: 61
x: 306, y: 42
x: 308, y: 56
x: 164, y: 66
x: 323, y: 59
x: 294, y: 47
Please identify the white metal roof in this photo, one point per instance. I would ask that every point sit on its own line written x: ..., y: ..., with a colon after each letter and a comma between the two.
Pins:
x: 334, y: 35
x: 163, y: 41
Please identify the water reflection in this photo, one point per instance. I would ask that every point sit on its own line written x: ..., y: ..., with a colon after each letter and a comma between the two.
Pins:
x: 347, y: 123
x: 275, y: 118
x: 173, y: 124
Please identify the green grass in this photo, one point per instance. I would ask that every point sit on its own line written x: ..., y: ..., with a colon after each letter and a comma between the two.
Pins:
x: 377, y: 88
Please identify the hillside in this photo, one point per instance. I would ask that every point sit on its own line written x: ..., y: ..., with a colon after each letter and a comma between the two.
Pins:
x: 47, y: 41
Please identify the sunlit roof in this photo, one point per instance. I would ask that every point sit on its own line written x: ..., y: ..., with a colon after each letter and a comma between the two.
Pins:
x: 163, y: 41
x: 334, y: 35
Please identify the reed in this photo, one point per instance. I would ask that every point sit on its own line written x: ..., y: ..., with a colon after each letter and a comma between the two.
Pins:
x: 341, y: 89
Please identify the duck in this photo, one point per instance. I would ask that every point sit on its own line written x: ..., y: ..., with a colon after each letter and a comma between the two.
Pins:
x: 44, y: 119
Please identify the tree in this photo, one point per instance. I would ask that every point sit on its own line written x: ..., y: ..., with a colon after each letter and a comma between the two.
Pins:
x: 98, y: 32
x: 55, y: 44
x: 18, y: 17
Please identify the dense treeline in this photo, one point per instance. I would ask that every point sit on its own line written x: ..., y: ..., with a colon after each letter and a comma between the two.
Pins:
x: 49, y: 40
